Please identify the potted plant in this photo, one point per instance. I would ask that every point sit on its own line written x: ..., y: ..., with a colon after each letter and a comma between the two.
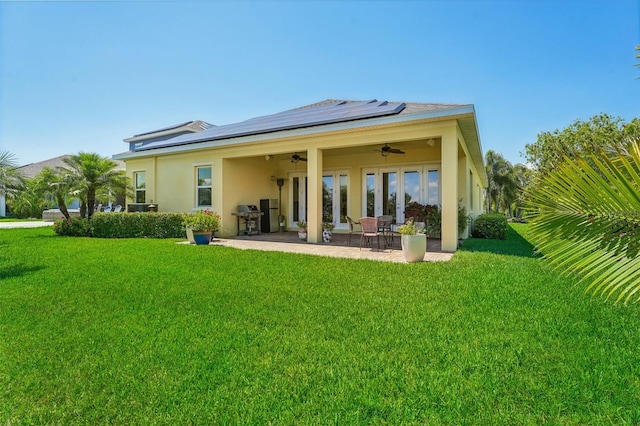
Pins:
x: 202, y: 225
x: 417, y: 213
x: 302, y: 230
x: 327, y: 227
x: 414, y: 242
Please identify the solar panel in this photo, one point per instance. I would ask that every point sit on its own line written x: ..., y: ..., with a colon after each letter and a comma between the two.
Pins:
x: 287, y: 120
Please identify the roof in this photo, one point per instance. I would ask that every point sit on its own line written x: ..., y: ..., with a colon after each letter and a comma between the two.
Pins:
x: 324, y: 116
x: 326, y: 112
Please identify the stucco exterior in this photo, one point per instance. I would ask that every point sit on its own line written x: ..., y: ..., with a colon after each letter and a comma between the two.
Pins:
x: 244, y: 170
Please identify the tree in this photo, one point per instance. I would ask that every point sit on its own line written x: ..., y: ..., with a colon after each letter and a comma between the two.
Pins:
x: 93, y: 177
x: 11, y: 180
x: 586, y: 220
x: 522, y: 176
x: 602, y: 133
x: 498, y: 177
x: 58, y: 185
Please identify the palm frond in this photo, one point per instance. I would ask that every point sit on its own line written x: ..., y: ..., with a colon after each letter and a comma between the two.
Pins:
x: 585, y: 220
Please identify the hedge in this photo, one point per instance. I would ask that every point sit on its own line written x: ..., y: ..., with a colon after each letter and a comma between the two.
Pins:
x: 125, y: 225
x: 490, y: 226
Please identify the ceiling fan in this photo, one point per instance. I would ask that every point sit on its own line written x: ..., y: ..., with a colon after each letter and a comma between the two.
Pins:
x: 386, y: 150
x: 296, y: 157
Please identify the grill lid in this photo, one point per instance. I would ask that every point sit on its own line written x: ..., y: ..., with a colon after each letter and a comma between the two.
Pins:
x: 247, y: 208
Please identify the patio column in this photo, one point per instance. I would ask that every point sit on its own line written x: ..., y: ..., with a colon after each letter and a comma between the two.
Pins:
x: 314, y: 195
x: 449, y: 159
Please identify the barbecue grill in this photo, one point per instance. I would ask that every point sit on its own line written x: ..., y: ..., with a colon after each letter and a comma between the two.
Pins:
x: 248, y: 216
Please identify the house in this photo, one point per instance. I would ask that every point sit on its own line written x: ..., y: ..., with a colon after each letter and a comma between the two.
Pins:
x: 322, y: 162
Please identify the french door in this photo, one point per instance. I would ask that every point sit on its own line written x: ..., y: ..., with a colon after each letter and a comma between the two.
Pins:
x: 335, y: 198
x: 387, y: 191
x: 298, y: 197
x: 335, y: 192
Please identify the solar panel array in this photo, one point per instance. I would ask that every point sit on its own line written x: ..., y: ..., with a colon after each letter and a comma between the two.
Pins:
x: 337, y: 112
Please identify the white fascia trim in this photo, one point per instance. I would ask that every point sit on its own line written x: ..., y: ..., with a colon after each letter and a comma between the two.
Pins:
x: 349, y: 125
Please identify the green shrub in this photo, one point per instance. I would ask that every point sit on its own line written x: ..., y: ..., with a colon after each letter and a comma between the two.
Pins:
x: 74, y: 227
x: 138, y: 225
x: 491, y: 226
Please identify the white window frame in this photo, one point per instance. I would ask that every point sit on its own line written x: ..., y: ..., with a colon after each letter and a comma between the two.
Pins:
x: 136, y: 189
x: 197, y: 167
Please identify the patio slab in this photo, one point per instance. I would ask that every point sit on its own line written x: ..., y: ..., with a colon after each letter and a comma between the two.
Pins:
x: 289, y: 242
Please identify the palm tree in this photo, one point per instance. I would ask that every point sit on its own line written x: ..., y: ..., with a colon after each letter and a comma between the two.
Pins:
x: 91, y: 176
x: 57, y: 184
x: 499, y: 178
x: 11, y: 180
x: 586, y: 220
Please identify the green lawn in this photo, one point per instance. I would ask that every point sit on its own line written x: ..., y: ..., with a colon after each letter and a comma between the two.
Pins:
x: 152, y: 332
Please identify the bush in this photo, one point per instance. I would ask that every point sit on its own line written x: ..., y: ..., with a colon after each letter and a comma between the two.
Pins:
x: 138, y: 225
x: 74, y: 227
x: 491, y: 226
x: 124, y: 225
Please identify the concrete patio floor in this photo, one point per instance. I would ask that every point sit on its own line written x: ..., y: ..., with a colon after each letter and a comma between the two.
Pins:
x: 338, y: 247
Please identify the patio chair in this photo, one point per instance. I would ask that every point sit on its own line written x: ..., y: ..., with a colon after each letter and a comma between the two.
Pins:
x: 369, y: 230
x: 117, y: 208
x: 351, y: 223
x: 107, y: 209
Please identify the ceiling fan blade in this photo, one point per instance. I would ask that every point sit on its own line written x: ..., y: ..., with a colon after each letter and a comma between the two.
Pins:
x: 395, y: 151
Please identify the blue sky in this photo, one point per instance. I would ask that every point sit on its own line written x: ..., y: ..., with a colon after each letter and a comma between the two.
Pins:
x: 82, y: 76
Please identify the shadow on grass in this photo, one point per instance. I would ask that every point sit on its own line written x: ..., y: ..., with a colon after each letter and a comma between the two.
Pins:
x: 515, y: 244
x: 17, y: 270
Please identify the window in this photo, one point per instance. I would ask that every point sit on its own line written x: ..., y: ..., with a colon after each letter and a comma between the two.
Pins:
x: 141, y: 187
x: 203, y: 187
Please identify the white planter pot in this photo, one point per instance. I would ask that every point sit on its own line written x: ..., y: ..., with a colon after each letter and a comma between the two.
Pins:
x: 414, y: 247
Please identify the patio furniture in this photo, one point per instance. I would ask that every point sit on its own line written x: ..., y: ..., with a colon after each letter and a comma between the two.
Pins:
x: 369, y: 230
x: 351, y: 223
x: 384, y: 226
x: 117, y: 208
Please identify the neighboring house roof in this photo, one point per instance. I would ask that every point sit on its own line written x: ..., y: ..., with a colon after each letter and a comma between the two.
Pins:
x: 33, y: 169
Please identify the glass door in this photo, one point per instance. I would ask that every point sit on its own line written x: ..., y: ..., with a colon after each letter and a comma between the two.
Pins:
x: 380, y: 192
x: 389, y: 191
x: 298, y: 197
x: 335, y: 189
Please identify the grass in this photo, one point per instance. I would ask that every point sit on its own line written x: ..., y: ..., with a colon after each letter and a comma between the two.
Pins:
x: 152, y: 332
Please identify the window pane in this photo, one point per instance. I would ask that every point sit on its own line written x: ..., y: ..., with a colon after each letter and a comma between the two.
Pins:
x: 204, y: 196
x: 411, y: 187
x: 296, y: 198
x: 343, y: 199
x: 389, y: 193
x: 204, y: 176
x: 371, y: 194
x: 327, y: 198
x: 433, y: 188
x: 140, y: 180
x: 140, y: 196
